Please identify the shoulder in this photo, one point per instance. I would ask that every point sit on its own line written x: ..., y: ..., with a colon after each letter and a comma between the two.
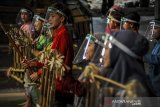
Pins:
x: 63, y: 33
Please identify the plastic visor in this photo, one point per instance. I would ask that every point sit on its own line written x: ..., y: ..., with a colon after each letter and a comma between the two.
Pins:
x: 150, y: 30
x: 19, y: 21
x: 37, y: 18
x: 51, y: 11
x: 97, y: 58
x: 81, y: 54
x: 110, y: 40
x: 110, y: 18
x: 25, y: 11
x: 38, y: 22
x: 124, y: 20
x: 46, y: 30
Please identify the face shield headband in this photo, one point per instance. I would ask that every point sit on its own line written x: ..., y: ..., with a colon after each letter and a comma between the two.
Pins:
x: 111, y: 40
x: 54, y: 10
x: 37, y: 18
x: 26, y: 11
x: 126, y: 20
x: 46, y: 29
x: 110, y: 18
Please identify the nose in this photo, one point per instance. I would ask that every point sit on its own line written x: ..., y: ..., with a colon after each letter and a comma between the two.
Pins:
x: 49, y: 19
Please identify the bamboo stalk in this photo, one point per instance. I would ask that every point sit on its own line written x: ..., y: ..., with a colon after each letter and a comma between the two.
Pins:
x: 49, y: 88
x: 14, y: 58
x: 42, y: 87
x: 45, y: 88
x: 17, y: 79
x: 52, y: 89
x: 110, y: 81
x: 20, y: 80
x: 17, y: 70
x: 11, y: 40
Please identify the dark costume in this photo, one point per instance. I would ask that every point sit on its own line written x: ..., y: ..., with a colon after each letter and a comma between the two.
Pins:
x: 154, y: 60
x: 124, y: 66
x: 153, y: 57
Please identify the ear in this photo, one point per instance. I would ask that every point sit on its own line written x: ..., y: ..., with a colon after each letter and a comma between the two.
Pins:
x: 62, y: 19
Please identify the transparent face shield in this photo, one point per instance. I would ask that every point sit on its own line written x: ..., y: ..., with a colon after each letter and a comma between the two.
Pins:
x: 86, y: 50
x: 104, y: 54
x: 46, y: 30
x: 151, y: 33
x: 125, y: 21
x: 20, y: 17
x: 99, y: 57
x: 111, y: 24
x: 52, y: 11
x: 38, y: 22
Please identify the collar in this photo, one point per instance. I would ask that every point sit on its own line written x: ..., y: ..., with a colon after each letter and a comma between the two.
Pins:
x: 60, y: 29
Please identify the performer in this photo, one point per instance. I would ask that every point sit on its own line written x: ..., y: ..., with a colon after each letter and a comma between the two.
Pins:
x: 24, y: 20
x: 123, y: 63
x: 152, y: 58
x: 62, y: 42
x: 131, y: 21
x: 114, y: 15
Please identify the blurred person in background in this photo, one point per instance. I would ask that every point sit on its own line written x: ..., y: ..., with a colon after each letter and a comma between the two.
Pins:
x: 24, y: 20
x: 131, y: 21
x: 153, y: 58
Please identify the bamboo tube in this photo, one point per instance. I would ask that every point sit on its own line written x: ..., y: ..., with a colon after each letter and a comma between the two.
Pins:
x: 11, y: 40
x: 17, y: 70
x: 17, y: 79
x: 14, y: 58
x: 52, y: 89
x: 45, y: 88
x: 20, y: 80
x: 42, y: 87
x: 49, y: 88
x: 110, y: 81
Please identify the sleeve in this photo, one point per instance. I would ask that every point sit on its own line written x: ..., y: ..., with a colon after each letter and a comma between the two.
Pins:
x: 39, y: 72
x: 39, y: 64
x: 152, y: 59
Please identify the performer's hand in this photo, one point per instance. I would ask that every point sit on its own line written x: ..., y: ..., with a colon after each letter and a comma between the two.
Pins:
x: 34, y: 76
x: 25, y: 62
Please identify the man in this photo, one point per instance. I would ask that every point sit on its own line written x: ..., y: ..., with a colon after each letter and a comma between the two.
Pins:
x: 153, y: 58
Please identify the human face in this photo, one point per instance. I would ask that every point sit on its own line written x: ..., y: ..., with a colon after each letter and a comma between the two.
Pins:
x: 111, y: 23
x: 106, y: 58
x: 56, y: 20
x: 38, y: 25
x: 24, y: 16
x: 156, y: 33
x: 90, y: 51
x: 127, y: 25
